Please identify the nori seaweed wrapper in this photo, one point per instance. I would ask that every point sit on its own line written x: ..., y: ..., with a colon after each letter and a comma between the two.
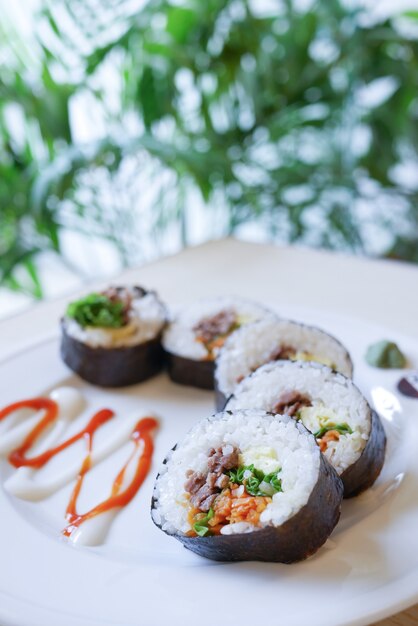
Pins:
x: 112, y: 367
x: 118, y: 366
x: 192, y: 372
x: 362, y: 474
x: 295, y: 540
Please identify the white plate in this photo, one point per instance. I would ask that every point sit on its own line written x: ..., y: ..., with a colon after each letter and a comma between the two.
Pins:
x: 367, y: 570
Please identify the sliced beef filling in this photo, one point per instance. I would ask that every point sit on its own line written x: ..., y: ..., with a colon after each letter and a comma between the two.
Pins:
x: 290, y: 402
x: 125, y: 297
x: 210, y: 329
x: 283, y: 352
x: 203, y: 489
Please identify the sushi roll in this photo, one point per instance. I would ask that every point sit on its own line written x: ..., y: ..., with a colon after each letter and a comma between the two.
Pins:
x: 113, y: 338
x: 193, y: 340
x: 248, y: 486
x: 270, y: 340
x: 349, y: 433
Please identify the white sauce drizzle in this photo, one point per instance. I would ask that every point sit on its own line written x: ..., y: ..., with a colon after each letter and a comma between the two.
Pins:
x: 93, y: 531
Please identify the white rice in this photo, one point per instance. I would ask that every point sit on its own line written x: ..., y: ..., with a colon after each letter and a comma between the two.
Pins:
x: 180, y: 338
x: 334, y: 392
x: 296, y: 452
x: 255, y: 344
x: 146, y: 319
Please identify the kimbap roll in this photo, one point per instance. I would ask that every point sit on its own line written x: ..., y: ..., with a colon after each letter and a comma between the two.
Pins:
x: 248, y: 486
x: 193, y: 340
x: 113, y: 338
x: 348, y: 432
x: 270, y: 340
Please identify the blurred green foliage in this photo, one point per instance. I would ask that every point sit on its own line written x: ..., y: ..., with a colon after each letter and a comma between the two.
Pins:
x: 298, y: 119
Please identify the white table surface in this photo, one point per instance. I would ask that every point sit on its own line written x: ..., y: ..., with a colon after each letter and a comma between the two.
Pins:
x: 384, y: 292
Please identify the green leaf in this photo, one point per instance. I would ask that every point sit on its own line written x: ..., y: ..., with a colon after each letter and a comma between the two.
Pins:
x: 411, y: 14
x: 33, y: 273
x: 180, y: 22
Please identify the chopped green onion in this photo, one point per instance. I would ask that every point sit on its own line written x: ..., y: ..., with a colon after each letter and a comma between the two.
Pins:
x: 97, y: 310
x: 237, y: 476
x: 343, y: 429
x: 266, y: 488
x: 274, y: 481
x: 201, y: 526
x: 253, y: 483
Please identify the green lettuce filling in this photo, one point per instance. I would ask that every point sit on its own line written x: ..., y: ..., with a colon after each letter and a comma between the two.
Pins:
x: 97, y: 310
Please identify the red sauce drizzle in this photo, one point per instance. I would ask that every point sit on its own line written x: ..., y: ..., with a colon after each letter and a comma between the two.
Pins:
x: 118, y: 497
x: 17, y: 457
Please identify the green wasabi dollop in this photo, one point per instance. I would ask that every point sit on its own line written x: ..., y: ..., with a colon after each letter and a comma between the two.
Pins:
x: 386, y: 355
